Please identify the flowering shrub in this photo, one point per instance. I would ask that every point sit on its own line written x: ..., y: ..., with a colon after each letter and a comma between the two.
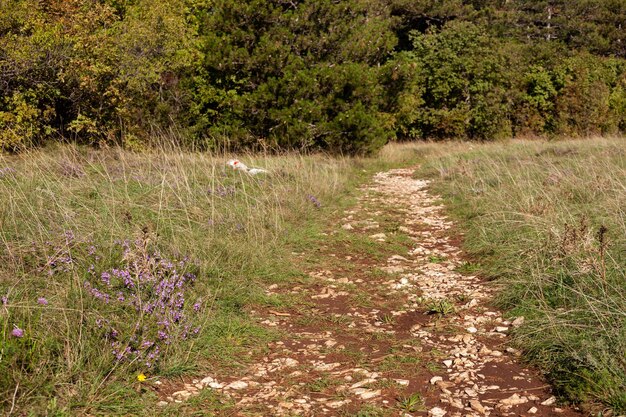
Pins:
x: 143, y: 301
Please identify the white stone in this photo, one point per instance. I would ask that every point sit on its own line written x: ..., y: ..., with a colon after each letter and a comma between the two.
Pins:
x: 477, y: 406
x: 366, y: 395
x: 362, y: 383
x: 518, y: 322
x: 435, y: 379
x: 472, y: 329
x: 207, y: 380
x: 514, y: 400
x: 437, y: 412
x: 533, y: 410
x: 237, y: 385
x: 550, y: 401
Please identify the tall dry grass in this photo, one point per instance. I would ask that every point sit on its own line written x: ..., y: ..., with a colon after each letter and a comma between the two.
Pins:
x: 90, y: 241
x: 548, y: 221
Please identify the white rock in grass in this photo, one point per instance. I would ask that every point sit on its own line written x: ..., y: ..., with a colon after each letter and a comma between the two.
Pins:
x: 379, y: 236
x: 550, y: 401
x: 518, y: 321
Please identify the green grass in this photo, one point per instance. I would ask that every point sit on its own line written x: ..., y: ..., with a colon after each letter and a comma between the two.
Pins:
x: 237, y: 231
x: 548, y: 222
x: 411, y: 403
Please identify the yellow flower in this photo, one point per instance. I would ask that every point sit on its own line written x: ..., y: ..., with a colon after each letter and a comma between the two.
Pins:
x: 141, y: 377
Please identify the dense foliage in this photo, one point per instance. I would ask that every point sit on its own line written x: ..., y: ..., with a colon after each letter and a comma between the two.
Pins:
x: 341, y: 76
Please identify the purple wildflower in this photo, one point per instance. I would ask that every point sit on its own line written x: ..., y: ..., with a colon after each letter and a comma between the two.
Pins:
x: 4, y: 172
x: 17, y: 332
x: 42, y: 301
x: 196, y: 307
x: 69, y: 236
x: 147, y: 344
x: 5, y: 300
x: 314, y: 200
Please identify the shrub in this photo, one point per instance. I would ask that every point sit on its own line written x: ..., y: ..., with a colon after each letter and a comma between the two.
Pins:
x: 465, y: 85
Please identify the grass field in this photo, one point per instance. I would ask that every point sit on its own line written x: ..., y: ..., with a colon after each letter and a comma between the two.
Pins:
x: 115, y: 264
x: 548, y: 222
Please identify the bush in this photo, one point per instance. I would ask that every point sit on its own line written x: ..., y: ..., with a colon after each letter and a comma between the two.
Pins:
x: 465, y: 84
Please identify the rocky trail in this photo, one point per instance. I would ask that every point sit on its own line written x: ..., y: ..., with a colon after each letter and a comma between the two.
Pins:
x: 385, y: 334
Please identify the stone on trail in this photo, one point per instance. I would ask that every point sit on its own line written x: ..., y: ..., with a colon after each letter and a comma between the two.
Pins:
x: 207, y: 380
x: 514, y: 400
x: 550, y: 401
x: 477, y: 406
x: 437, y: 412
x: 237, y: 385
x: 435, y: 379
x: 368, y: 394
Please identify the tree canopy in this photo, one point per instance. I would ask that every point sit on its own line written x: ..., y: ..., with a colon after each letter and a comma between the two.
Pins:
x: 341, y: 76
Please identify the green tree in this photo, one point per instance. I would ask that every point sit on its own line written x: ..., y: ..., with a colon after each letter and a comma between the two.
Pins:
x: 465, y: 90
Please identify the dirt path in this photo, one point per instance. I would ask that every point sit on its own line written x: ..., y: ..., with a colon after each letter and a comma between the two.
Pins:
x: 401, y: 336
